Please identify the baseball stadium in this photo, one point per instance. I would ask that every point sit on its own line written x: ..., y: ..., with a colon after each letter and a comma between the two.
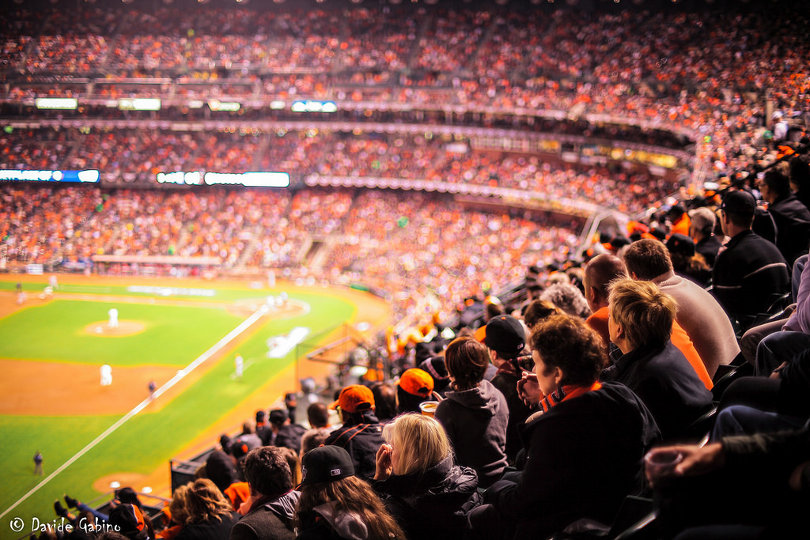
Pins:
x: 510, y: 269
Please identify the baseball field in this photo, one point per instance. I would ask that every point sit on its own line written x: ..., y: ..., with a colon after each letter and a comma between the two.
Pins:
x: 181, y: 334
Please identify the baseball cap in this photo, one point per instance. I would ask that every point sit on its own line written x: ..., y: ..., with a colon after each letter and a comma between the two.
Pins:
x: 326, y: 464
x: 354, y: 398
x: 417, y: 382
x: 739, y: 202
x: 505, y: 335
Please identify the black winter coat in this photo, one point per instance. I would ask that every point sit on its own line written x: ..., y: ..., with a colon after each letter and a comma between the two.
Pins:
x: 428, y: 506
x: 662, y: 377
x: 268, y: 520
x: 361, y: 441
x: 584, y: 456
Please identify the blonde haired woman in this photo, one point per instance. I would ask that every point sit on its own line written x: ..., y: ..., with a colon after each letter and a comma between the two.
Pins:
x: 210, y: 515
x: 416, y: 477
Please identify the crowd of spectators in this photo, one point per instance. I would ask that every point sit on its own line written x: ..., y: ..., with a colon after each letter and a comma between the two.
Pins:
x: 372, y: 237
x: 590, y: 389
x: 622, y: 360
x: 676, y: 70
x: 138, y: 155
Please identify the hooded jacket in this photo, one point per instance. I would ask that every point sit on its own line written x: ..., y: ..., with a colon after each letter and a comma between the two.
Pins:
x: 269, y: 519
x: 475, y: 421
x: 428, y: 505
x: 327, y: 522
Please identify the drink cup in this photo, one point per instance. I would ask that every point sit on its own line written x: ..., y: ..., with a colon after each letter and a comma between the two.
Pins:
x: 660, y: 464
x: 428, y: 407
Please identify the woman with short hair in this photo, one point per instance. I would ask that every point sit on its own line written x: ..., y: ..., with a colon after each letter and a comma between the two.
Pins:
x: 584, y: 445
x: 474, y: 413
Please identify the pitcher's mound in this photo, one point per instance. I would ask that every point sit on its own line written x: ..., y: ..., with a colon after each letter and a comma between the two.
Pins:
x: 124, y: 479
x: 124, y: 328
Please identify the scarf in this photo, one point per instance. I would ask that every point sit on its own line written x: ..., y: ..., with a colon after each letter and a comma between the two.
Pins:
x: 566, y: 392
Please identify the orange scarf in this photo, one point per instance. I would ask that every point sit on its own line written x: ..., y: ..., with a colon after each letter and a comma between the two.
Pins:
x: 565, y: 393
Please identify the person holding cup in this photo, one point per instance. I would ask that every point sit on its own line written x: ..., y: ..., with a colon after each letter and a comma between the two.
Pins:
x: 584, y: 445
x: 738, y: 487
x: 415, y: 386
x: 474, y: 413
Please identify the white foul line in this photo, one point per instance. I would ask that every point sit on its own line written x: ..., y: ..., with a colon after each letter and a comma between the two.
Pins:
x: 244, y: 325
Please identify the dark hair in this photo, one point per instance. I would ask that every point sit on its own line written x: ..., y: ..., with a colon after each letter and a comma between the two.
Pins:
x: 294, y: 461
x: 407, y: 402
x: 537, y: 311
x: 493, y: 310
x: 777, y: 182
x: 647, y: 259
x: 313, y: 438
x: 800, y: 173
x: 349, y: 494
x: 385, y: 399
x: 467, y: 361
x: 267, y: 471
x: 569, y: 343
x: 318, y: 415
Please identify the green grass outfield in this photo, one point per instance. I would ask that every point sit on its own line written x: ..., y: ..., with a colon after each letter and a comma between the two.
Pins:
x: 175, y: 336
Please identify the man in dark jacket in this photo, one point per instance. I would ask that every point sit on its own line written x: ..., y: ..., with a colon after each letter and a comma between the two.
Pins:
x: 505, y: 338
x: 792, y: 218
x: 640, y: 325
x: 750, y: 272
x: 285, y: 433
x: 273, y: 499
x: 361, y: 432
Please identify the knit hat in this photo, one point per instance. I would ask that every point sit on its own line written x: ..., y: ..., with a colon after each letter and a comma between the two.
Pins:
x: 682, y: 244
x: 354, y: 398
x: 437, y: 368
x: 416, y: 382
x: 505, y: 335
x: 326, y: 464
